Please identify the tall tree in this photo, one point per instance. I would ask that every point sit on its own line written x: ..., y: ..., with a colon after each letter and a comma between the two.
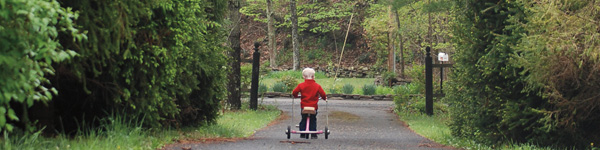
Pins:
x: 234, y: 43
x: 401, y: 43
x: 391, y: 30
x: 294, y: 18
x: 271, y: 35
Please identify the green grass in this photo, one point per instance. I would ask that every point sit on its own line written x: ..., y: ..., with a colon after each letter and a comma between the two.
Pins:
x: 118, y: 133
x: 327, y: 83
x: 295, y: 74
x: 236, y: 124
x: 435, y: 128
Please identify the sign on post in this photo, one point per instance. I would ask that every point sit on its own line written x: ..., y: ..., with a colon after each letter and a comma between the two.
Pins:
x: 443, y: 57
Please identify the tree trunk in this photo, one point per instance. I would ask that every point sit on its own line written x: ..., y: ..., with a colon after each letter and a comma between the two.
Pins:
x: 401, y: 46
x: 234, y: 43
x: 271, y: 34
x: 294, y: 18
x: 391, y: 58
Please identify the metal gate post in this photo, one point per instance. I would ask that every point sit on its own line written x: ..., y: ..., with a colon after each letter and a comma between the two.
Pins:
x: 428, y: 83
x: 255, y: 72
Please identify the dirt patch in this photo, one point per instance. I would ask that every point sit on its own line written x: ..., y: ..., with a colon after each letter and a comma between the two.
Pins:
x: 341, y: 115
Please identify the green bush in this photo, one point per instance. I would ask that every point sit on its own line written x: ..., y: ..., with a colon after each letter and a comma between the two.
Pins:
x: 407, y: 99
x: 333, y: 90
x: 163, y: 60
x: 262, y: 88
x: 347, y: 89
x: 279, y: 87
x: 383, y: 90
x: 388, y: 76
x: 290, y: 83
x: 491, y: 97
x: 29, y: 32
x: 369, y: 89
x: 245, y: 77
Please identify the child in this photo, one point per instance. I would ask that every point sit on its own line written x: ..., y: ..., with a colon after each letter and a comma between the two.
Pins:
x: 310, y: 92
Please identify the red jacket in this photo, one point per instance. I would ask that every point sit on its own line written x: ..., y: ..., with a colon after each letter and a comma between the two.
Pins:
x: 310, y: 92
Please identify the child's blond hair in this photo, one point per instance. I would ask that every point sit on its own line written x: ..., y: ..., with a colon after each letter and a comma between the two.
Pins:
x: 308, y: 73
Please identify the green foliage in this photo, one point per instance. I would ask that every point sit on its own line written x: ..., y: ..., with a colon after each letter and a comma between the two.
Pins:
x: 290, y: 83
x: 163, y: 59
x: 29, y: 32
x: 490, y: 98
x: 559, y: 62
x: 412, y: 28
x: 383, y: 90
x: 334, y: 90
x: 316, y: 17
x: 417, y: 74
x: 246, y: 76
x: 388, y: 76
x: 481, y: 68
x: 369, y: 89
x: 407, y: 96
x: 320, y: 16
x: 262, y: 88
x: 316, y: 56
x: 347, y: 88
x: 279, y: 87
x: 256, y: 9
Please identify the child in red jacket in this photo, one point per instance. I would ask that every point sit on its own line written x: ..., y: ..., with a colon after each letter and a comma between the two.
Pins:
x: 310, y: 92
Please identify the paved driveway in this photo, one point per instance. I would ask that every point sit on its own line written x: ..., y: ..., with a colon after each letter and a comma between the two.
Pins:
x: 354, y: 124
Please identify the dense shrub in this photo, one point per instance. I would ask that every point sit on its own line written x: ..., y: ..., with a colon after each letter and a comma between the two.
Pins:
x: 290, y: 83
x: 388, y: 77
x: 369, y: 89
x: 246, y: 77
x: 347, y: 89
x: 408, y: 95
x: 383, y: 90
x: 262, y: 88
x: 333, y: 90
x: 162, y: 60
x: 518, y: 73
x: 279, y: 87
x: 562, y: 63
x: 29, y: 46
x: 485, y: 89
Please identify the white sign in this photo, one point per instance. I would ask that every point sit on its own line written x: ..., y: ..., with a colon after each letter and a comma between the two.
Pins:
x: 443, y: 57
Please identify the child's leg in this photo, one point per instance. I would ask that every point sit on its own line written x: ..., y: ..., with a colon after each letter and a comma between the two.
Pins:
x: 313, y: 123
x: 303, y: 124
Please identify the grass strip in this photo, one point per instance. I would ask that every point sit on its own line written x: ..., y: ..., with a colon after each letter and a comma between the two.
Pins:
x: 117, y: 133
x: 436, y: 129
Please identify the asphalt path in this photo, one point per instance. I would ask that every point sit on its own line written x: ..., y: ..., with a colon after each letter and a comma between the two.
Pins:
x: 354, y: 124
